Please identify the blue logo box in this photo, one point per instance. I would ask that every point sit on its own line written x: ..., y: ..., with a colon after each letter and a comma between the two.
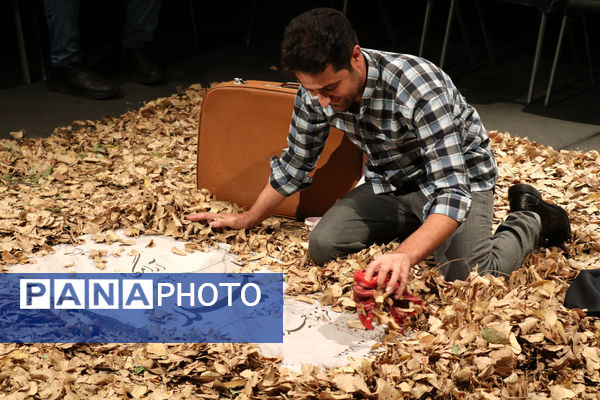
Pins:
x: 141, y: 308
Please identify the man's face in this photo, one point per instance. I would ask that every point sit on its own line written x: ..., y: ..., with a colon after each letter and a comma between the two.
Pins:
x: 338, y: 89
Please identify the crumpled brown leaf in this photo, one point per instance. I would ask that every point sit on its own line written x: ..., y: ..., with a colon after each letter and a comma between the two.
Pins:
x: 136, y: 172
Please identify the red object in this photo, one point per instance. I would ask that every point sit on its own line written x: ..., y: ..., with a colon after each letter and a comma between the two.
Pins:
x: 363, y: 297
x: 399, y: 315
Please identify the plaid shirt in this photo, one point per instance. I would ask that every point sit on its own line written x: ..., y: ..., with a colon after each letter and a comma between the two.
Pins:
x: 415, y: 127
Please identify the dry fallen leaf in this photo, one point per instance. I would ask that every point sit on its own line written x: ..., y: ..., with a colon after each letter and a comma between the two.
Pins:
x: 158, y: 349
x: 138, y: 391
x: 134, y: 173
x: 494, y: 336
x: 17, y: 135
x: 355, y: 324
x: 175, y: 250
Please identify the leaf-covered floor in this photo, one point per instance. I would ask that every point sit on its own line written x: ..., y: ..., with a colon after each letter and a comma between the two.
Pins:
x: 483, y: 338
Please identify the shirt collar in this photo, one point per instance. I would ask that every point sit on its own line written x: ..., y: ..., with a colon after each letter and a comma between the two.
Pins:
x: 372, y: 78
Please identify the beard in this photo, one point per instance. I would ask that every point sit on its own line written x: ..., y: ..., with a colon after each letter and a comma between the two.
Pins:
x: 352, y: 100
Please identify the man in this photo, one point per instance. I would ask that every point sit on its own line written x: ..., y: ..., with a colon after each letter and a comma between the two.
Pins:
x: 67, y: 72
x: 430, y: 174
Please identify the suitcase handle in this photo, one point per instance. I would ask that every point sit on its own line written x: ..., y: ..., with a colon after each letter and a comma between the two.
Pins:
x: 284, y: 85
x: 291, y: 85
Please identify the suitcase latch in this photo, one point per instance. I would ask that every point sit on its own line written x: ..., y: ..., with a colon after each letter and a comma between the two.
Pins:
x: 239, y: 81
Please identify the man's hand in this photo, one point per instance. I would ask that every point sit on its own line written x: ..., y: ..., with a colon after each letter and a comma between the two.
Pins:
x: 398, y: 264
x: 412, y: 250
x: 222, y: 220
x: 262, y: 208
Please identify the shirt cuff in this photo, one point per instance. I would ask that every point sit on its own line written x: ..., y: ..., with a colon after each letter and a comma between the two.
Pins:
x: 283, y: 182
x: 450, y: 204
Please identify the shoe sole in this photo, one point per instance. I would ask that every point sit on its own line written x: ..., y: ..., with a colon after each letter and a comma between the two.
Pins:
x: 57, y: 87
x: 553, y: 239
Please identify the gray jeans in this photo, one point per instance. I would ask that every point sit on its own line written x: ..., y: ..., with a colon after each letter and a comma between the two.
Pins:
x: 362, y: 218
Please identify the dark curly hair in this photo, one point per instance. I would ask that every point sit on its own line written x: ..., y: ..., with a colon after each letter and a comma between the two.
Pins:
x: 316, y: 38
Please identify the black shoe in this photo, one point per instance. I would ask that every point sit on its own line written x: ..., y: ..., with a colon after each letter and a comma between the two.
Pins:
x: 556, y: 228
x: 72, y: 77
x: 143, y: 68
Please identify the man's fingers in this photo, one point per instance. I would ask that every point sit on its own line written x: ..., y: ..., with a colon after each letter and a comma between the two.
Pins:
x: 217, y: 220
x: 203, y: 216
x: 225, y: 223
x: 222, y: 220
x: 382, y: 275
x: 371, y: 269
x: 400, y: 291
x: 393, y: 279
x: 402, y: 286
x: 194, y: 217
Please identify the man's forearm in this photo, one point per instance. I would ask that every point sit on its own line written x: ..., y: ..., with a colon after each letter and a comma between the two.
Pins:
x: 422, y: 242
x: 265, y: 204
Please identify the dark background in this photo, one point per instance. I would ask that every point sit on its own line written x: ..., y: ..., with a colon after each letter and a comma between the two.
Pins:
x: 512, y: 29
x: 222, y: 53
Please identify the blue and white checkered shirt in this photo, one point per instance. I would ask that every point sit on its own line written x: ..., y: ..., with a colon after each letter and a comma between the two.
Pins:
x: 415, y: 127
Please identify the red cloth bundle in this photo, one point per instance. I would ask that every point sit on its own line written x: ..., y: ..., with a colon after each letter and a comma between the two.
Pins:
x: 365, y: 301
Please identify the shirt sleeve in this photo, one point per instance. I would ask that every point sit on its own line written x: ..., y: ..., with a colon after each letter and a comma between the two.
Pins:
x: 306, y: 139
x: 448, y: 185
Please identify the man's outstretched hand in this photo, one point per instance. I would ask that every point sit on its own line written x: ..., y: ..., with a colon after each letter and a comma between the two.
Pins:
x: 262, y: 208
x: 396, y: 264
x: 224, y: 220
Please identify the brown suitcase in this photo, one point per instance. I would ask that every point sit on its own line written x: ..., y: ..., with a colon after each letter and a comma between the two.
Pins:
x: 242, y: 125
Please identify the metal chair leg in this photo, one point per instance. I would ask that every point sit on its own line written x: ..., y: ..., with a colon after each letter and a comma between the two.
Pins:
x: 194, y: 25
x: 588, y: 49
x: 561, y: 36
x: 536, y: 60
x: 465, y: 34
x: 571, y: 38
x: 251, y: 23
x: 39, y: 44
x: 486, y: 36
x: 426, y: 21
x: 387, y: 24
x: 21, y: 43
x: 447, y: 33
